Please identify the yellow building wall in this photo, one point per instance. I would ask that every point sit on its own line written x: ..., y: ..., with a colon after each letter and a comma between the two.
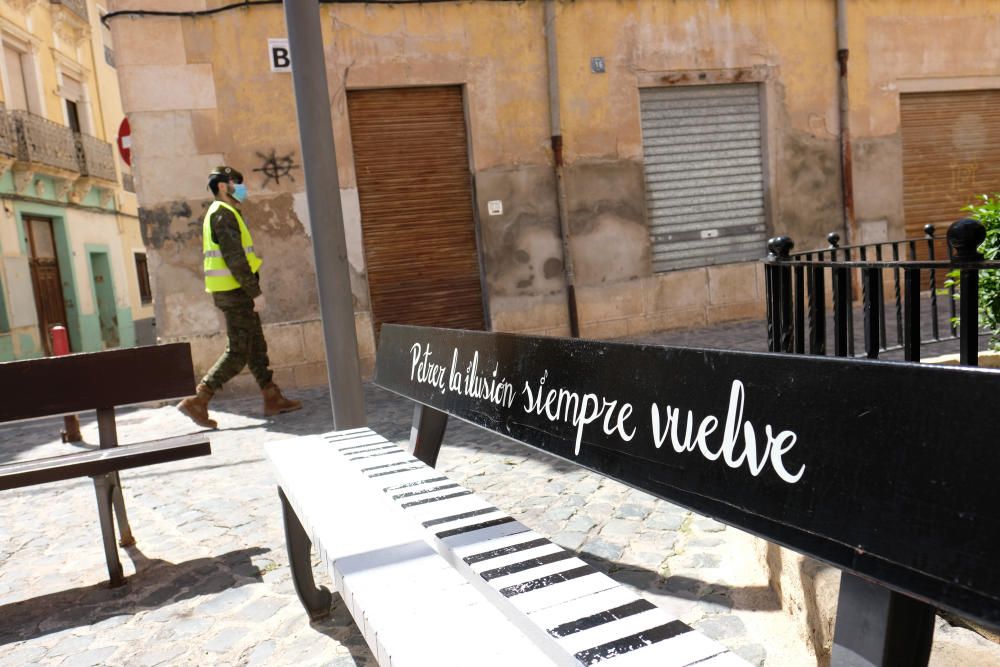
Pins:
x: 200, y: 93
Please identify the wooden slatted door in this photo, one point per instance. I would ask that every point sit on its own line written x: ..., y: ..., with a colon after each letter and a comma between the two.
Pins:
x: 951, y: 155
x: 415, y: 189
x: 45, y: 278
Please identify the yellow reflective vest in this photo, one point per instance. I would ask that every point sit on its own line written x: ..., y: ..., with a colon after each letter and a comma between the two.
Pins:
x: 218, y: 277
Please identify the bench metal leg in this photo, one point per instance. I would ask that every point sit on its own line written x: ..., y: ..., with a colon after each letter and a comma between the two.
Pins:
x: 427, y: 433
x: 104, y: 486
x: 316, y: 600
x: 877, y: 627
x: 124, y: 529
x: 107, y: 431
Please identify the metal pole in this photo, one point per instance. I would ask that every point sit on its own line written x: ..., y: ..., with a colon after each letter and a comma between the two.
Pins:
x: 319, y: 162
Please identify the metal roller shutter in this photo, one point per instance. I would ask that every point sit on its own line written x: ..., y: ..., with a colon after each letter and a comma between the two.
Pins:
x: 951, y: 155
x: 415, y: 189
x: 704, y: 174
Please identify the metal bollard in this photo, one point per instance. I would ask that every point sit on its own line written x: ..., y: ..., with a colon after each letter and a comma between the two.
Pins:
x: 60, y: 346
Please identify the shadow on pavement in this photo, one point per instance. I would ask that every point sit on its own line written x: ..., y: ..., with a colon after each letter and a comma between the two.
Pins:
x: 753, y: 598
x: 155, y: 584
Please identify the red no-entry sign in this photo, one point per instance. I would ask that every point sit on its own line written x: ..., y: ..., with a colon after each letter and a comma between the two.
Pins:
x: 125, y: 141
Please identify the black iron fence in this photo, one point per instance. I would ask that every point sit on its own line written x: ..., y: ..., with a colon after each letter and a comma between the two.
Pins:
x: 906, y: 298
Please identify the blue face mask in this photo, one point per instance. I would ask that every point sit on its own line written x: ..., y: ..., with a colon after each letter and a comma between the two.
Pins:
x: 239, y: 192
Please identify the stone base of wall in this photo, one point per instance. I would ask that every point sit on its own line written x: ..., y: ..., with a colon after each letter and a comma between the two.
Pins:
x: 675, y: 300
x: 296, y: 350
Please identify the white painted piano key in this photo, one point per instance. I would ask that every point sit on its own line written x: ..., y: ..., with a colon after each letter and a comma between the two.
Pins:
x: 349, y: 434
x: 484, y: 548
x: 562, y: 592
x: 433, y: 515
x: 491, y: 568
x: 537, y: 578
x: 473, y: 539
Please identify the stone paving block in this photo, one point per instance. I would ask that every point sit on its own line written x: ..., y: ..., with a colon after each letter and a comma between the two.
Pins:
x: 71, y: 644
x: 755, y: 654
x: 226, y: 602
x: 91, y: 657
x: 226, y: 640
x: 665, y: 521
x: 699, y: 561
x: 192, y: 627
x: 603, y: 549
x: 620, y: 529
x: 709, y: 525
x: 570, y: 540
x: 160, y: 655
x: 261, y: 609
x: 723, y: 626
x: 261, y: 653
x: 633, y: 511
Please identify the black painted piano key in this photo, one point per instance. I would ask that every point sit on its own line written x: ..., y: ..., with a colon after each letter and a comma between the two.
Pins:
x: 434, y: 499
x: 514, y: 548
x: 475, y: 526
x: 417, y: 493
x: 456, y: 517
x: 633, y: 642
x: 600, y: 618
x: 523, y: 565
x: 412, y: 484
x: 542, y: 582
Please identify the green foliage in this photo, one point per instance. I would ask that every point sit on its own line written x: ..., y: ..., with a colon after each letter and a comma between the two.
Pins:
x: 988, y: 212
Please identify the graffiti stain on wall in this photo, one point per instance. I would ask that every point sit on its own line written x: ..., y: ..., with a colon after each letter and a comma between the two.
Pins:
x: 275, y: 167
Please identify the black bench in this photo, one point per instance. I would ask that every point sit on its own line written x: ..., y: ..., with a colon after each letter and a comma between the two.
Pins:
x: 99, y: 381
x: 838, y: 459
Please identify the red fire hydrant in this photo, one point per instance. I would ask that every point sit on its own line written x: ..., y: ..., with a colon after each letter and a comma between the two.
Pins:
x: 60, y: 346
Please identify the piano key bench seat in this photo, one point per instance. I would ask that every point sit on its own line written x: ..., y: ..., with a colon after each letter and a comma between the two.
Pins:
x: 434, y: 575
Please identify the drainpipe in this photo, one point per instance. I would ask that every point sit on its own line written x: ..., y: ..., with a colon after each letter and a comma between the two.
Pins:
x: 557, y: 152
x: 846, y: 169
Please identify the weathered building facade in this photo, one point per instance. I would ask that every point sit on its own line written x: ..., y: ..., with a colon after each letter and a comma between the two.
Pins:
x: 688, y: 132
x: 71, y: 252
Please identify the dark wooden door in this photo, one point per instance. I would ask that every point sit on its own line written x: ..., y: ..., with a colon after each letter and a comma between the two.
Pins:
x: 411, y: 158
x: 951, y: 156
x: 45, y: 278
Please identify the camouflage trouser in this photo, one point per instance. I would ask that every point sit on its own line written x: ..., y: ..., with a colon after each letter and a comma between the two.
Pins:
x: 246, y: 347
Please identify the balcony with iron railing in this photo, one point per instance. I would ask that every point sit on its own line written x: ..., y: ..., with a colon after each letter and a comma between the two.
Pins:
x: 8, y: 136
x: 39, y: 143
x: 96, y: 158
x: 77, y: 7
x: 43, y: 142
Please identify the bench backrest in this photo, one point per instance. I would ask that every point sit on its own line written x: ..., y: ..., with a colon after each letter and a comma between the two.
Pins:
x: 95, y: 380
x: 888, y: 470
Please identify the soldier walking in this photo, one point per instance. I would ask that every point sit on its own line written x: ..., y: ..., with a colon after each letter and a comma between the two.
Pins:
x: 231, y: 277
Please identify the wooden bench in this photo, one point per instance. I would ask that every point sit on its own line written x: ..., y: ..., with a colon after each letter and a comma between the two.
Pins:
x: 99, y: 381
x: 838, y: 459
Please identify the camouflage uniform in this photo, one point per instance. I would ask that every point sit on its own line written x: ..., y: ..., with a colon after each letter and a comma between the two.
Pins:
x: 246, y: 338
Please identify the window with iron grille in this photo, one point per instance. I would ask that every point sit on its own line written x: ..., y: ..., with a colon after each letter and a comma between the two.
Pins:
x: 142, y: 273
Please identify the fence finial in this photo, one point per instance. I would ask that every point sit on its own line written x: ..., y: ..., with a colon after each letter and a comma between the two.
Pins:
x: 965, y: 236
x: 929, y: 231
x: 780, y: 246
x: 834, y: 239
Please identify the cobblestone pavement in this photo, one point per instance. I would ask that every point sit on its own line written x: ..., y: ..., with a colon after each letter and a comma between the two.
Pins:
x: 209, y: 581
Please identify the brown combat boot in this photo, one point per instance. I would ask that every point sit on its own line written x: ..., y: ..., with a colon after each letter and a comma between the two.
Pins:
x: 275, y: 403
x: 196, y: 407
